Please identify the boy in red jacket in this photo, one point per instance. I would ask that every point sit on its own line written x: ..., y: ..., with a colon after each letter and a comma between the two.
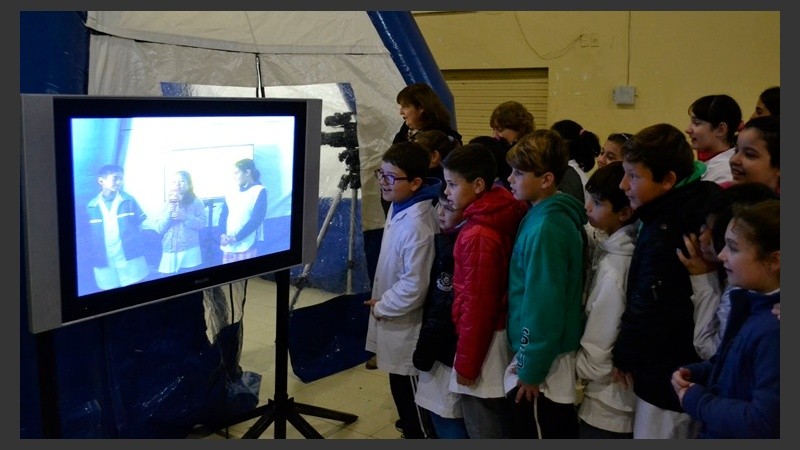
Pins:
x: 480, y: 282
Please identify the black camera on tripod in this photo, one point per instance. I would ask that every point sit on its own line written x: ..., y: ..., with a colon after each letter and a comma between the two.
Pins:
x: 348, y: 138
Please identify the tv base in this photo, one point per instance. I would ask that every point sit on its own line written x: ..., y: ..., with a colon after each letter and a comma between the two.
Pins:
x: 281, y: 410
x: 284, y: 408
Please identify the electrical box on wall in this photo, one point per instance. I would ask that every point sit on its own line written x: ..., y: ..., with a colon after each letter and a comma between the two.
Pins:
x: 624, y: 95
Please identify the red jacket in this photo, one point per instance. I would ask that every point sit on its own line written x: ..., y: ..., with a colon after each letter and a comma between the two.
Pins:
x: 482, y: 254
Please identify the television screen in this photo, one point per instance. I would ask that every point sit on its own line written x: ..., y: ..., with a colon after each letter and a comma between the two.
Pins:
x: 131, y: 200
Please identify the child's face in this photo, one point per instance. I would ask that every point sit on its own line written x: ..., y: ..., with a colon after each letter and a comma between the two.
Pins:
x: 526, y: 185
x: 742, y: 263
x: 460, y: 192
x: 701, y: 134
x: 611, y: 151
x: 179, y: 184
x: 240, y: 177
x: 639, y: 186
x: 602, y: 216
x: 402, y: 189
x: 448, y: 216
x: 750, y: 161
x: 111, y: 182
x: 706, y: 239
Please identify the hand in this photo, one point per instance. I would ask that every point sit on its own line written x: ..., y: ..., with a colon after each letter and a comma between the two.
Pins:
x: 464, y: 381
x: 174, y: 196
x: 179, y: 214
x: 223, y: 239
x: 622, y: 377
x: 529, y: 391
x: 694, y: 262
x: 776, y: 310
x: 680, y: 382
x: 371, y: 302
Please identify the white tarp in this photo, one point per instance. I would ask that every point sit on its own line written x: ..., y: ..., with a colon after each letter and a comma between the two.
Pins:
x: 139, y: 50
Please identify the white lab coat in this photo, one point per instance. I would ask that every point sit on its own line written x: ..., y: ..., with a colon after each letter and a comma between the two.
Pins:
x: 606, y: 405
x: 402, y: 277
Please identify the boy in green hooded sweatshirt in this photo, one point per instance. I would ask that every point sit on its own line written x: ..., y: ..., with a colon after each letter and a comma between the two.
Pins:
x: 545, y: 291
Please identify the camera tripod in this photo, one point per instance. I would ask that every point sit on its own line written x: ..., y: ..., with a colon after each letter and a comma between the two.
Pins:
x: 353, y: 180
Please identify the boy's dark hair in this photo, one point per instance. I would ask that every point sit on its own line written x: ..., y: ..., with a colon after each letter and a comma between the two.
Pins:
x: 435, y: 141
x: 661, y: 148
x: 499, y: 148
x: 604, y: 185
x: 771, y: 98
x: 442, y: 195
x: 540, y: 152
x: 721, y: 204
x: 717, y: 109
x: 410, y: 157
x: 472, y: 161
x: 512, y: 115
x: 108, y: 169
x: 769, y: 129
x: 583, y: 145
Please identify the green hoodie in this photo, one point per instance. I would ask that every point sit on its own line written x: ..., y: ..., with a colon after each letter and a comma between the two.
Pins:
x: 545, y: 292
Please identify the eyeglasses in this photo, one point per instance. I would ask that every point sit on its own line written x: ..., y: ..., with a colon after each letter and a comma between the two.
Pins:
x: 389, y: 178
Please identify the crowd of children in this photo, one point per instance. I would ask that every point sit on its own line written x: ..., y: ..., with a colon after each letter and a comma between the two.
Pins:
x: 645, y: 305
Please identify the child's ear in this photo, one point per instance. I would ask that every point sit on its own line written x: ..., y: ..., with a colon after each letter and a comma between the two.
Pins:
x: 625, y: 213
x: 669, y: 181
x: 415, y: 184
x: 479, y: 185
x: 436, y: 158
x: 721, y: 131
x: 548, y: 179
x: 774, y: 261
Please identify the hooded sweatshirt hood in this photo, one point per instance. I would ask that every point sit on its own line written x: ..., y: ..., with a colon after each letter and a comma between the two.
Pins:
x: 497, y: 209
x: 563, y: 202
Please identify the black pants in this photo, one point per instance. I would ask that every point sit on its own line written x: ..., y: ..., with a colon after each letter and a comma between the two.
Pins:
x: 542, y: 416
x: 415, y: 421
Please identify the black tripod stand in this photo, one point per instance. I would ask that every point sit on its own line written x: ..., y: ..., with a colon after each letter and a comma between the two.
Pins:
x: 282, y: 407
x: 352, y: 180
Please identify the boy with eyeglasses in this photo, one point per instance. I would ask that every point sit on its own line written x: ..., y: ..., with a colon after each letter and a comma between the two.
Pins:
x: 402, y: 276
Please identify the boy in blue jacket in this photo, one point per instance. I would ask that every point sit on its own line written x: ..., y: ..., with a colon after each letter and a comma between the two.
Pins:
x: 662, y: 182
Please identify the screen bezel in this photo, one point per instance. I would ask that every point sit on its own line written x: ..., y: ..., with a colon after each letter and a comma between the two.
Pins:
x: 49, y: 207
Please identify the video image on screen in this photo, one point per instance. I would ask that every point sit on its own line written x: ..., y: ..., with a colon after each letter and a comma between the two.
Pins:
x: 160, y: 196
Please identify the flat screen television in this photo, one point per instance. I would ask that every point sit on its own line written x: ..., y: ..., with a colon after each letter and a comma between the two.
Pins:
x: 107, y: 223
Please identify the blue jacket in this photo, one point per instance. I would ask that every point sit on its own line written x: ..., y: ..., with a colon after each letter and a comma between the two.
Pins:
x: 437, y: 337
x: 129, y: 218
x: 657, y: 328
x: 737, y: 391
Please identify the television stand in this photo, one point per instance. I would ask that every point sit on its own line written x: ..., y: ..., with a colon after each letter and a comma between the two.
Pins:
x: 282, y: 407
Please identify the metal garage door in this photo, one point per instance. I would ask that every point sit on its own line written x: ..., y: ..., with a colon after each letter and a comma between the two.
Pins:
x: 477, y: 92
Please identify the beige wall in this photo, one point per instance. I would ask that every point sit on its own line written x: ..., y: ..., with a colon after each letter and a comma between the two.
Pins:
x: 671, y: 57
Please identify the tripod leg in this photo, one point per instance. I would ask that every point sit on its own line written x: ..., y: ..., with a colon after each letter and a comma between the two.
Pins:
x: 307, y: 267
x: 351, y: 242
x: 263, y: 423
x: 316, y: 411
x: 302, y: 425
